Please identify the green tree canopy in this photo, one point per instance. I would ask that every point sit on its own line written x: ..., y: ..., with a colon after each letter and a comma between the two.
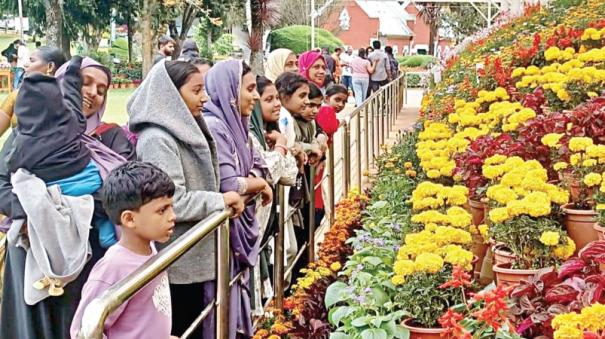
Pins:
x: 298, y: 39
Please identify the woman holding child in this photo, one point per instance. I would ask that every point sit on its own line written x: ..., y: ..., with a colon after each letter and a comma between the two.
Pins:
x: 51, y: 317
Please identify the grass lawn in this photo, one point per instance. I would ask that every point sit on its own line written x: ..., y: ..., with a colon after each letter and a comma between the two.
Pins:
x: 115, y: 112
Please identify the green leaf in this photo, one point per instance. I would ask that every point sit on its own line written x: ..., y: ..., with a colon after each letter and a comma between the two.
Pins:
x: 378, y: 205
x: 374, y: 333
x: 334, y: 293
x: 339, y: 335
x: 336, y: 314
x: 360, y: 321
x: 380, y: 298
x: 376, y: 321
x: 373, y: 260
x: 401, y: 332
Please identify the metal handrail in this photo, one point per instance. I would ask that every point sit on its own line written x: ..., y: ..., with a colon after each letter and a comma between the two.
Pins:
x: 373, y: 111
x: 97, y: 311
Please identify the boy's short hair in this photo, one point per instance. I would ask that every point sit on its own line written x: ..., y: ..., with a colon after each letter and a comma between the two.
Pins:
x: 165, y: 39
x: 132, y: 185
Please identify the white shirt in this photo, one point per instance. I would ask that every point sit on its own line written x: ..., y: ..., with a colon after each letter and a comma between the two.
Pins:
x: 22, y: 56
x: 346, y: 59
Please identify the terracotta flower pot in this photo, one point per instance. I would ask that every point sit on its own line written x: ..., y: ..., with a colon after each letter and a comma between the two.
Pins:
x: 507, y: 276
x: 479, y: 249
x: 502, y: 256
x: 477, y: 210
x: 579, y: 225
x: 600, y: 230
x: 421, y: 332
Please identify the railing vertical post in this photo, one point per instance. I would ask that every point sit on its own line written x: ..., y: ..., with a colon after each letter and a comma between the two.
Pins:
x: 358, y: 147
x: 383, y: 114
x: 346, y: 153
x: 222, y: 281
x: 390, y: 105
x: 375, y: 150
x: 278, y: 262
x: 331, y: 193
x: 366, y: 136
x: 311, y: 246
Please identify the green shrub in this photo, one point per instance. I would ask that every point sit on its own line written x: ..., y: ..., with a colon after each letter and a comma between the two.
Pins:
x: 223, y: 45
x: 424, y: 61
x: 298, y: 39
x: 119, y: 48
x: 414, y: 80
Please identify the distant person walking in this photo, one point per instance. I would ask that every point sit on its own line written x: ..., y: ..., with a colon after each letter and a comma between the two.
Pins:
x: 337, y: 65
x: 347, y: 73
x: 382, y: 73
x: 166, y: 45
x: 393, y: 62
x: 361, y: 68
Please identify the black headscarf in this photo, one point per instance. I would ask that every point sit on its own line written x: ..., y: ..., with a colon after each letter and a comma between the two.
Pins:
x: 49, y: 125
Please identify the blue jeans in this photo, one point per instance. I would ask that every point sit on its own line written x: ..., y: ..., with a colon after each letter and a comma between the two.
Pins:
x: 347, y: 81
x: 360, y: 88
x: 19, y: 73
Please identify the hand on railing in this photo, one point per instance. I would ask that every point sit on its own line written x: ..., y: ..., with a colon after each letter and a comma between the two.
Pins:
x: 235, y: 202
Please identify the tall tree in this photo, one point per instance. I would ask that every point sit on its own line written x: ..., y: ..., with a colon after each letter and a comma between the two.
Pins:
x: 148, y: 8
x: 263, y: 14
x: 431, y: 14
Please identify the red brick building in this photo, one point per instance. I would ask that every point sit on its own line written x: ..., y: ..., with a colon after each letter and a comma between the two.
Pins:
x: 394, y: 23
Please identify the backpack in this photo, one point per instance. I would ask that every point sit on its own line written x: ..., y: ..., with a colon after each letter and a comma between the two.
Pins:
x: 394, y: 67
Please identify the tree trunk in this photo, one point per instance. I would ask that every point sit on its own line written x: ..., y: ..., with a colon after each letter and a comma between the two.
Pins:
x: 173, y: 32
x: 130, y: 32
x: 147, y: 34
x: 255, y: 40
x: 432, y: 36
x: 54, y: 24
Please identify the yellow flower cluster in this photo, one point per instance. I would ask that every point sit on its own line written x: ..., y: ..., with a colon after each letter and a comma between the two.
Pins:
x: 550, y: 238
x: 552, y: 140
x: 434, y: 151
x: 455, y: 216
x: 433, y: 196
x: 566, y: 250
x: 573, y: 325
x: 593, y: 34
x: 520, y: 187
x: 504, y: 113
x: 555, y: 54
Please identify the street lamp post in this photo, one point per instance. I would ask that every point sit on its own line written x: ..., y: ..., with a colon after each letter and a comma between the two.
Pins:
x: 20, y: 4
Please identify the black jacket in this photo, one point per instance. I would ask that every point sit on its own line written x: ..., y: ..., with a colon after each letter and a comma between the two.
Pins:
x: 49, y: 125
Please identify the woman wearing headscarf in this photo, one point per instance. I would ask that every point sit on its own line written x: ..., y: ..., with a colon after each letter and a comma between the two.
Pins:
x: 312, y: 66
x: 280, y: 61
x: 273, y: 149
x: 166, y: 112
x: 96, y: 79
x: 44, y: 60
x: 231, y: 86
x: 51, y: 317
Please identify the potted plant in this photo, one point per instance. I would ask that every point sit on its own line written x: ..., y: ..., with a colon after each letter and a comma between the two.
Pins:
x: 521, y: 205
x: 581, y: 165
x: 576, y: 284
x: 481, y: 315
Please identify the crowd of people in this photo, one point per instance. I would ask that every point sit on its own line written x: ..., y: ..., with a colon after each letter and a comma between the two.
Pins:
x: 88, y: 202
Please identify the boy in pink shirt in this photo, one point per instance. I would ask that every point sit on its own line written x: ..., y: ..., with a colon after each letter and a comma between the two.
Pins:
x: 138, y: 197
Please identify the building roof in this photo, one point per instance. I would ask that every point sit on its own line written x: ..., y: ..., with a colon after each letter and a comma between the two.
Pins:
x: 391, y: 16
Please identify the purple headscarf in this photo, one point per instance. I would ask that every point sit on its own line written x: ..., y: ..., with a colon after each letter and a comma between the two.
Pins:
x: 223, y: 84
x: 93, y: 121
x: 236, y: 160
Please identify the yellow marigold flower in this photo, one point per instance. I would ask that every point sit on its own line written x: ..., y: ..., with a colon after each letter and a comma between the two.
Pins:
x: 397, y: 280
x: 456, y: 255
x: 549, y: 238
x: 565, y: 251
x: 433, y: 174
x: 568, y: 332
x: 335, y: 266
x: 560, y: 166
x: 403, y: 267
x: 410, y: 173
x: 407, y: 165
x: 552, y: 140
x: 495, y: 159
x: 499, y: 215
x: 589, y: 163
x: 578, y: 144
x: 600, y: 207
x: 565, y: 320
x: 552, y: 53
x: 483, y: 230
x: 593, y: 317
x: 428, y: 262
x: 592, y: 179
x: 575, y: 159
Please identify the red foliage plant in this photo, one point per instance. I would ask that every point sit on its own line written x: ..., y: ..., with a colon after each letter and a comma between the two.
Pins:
x: 565, y: 37
x: 578, y: 283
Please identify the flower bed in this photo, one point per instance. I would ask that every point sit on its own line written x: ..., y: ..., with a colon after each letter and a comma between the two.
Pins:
x: 305, y: 315
x: 515, y: 108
